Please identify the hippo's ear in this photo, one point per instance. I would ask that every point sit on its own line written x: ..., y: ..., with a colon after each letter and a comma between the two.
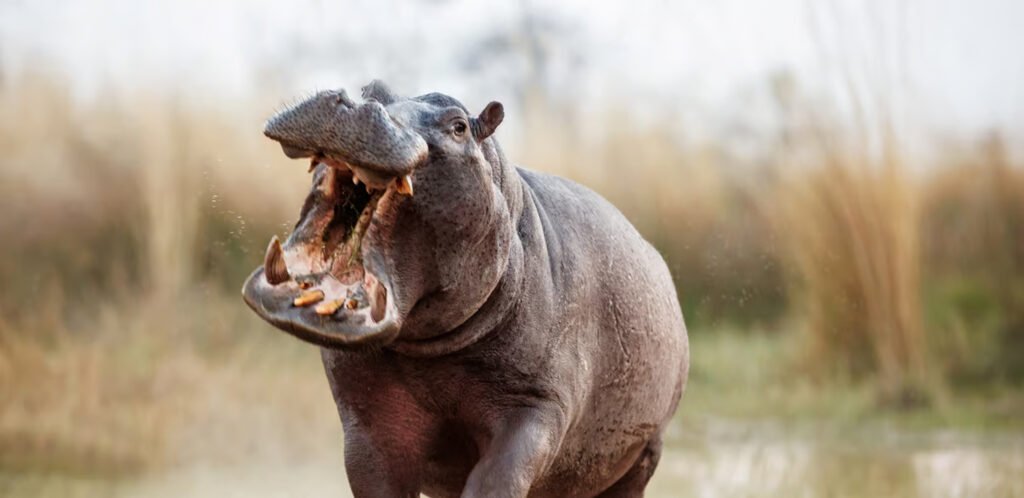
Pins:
x: 488, y: 121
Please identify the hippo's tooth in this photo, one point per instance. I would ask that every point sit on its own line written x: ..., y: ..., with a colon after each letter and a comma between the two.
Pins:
x: 274, y: 269
x: 405, y: 185
x: 378, y: 298
x: 309, y: 297
x: 328, y: 307
x: 327, y: 184
x: 313, y: 164
x: 355, y: 180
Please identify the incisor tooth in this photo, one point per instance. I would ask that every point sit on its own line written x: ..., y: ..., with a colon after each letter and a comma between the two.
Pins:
x: 329, y: 307
x: 405, y: 185
x: 309, y: 297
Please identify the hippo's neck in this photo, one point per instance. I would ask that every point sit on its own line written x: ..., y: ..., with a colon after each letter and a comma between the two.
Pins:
x: 500, y: 305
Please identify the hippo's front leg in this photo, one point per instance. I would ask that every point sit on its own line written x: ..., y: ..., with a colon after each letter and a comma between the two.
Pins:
x: 375, y: 472
x: 522, y: 447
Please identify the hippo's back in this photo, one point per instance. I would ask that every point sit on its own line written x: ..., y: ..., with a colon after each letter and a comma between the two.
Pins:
x: 620, y: 298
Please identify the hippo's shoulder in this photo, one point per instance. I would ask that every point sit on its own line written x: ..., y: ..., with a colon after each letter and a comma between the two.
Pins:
x: 577, y: 215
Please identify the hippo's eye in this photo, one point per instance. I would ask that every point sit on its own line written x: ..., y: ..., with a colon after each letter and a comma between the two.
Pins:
x: 459, y: 128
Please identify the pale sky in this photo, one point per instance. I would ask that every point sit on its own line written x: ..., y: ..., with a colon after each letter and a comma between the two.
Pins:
x: 953, y: 65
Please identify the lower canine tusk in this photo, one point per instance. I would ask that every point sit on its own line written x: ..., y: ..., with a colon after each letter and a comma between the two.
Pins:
x: 405, y: 185
x: 274, y: 269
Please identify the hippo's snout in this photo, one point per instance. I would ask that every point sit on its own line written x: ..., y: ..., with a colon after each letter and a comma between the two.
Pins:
x: 364, y: 135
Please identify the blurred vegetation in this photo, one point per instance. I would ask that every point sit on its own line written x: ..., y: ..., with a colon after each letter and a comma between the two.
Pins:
x: 129, y: 224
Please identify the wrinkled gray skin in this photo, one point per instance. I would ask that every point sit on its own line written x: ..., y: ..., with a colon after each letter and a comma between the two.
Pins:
x: 533, y: 343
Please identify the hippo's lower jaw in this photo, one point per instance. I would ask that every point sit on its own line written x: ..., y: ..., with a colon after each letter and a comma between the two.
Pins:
x: 315, y: 286
x: 310, y: 321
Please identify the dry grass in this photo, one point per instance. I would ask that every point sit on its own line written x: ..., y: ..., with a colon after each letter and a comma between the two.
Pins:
x: 123, y: 344
x: 153, y: 383
x: 973, y: 228
x: 852, y: 233
x: 129, y: 223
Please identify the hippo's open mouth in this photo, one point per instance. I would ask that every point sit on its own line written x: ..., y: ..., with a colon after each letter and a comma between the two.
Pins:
x: 316, y: 286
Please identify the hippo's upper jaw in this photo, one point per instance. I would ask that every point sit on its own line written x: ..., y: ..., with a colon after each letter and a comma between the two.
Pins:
x: 321, y: 285
x: 365, y: 136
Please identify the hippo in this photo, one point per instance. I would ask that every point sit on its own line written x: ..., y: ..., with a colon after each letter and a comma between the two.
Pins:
x: 486, y: 330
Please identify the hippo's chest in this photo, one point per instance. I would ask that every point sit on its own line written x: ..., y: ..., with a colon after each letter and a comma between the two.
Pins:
x: 429, y: 419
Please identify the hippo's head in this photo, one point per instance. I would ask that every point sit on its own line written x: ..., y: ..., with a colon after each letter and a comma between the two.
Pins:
x: 406, y: 229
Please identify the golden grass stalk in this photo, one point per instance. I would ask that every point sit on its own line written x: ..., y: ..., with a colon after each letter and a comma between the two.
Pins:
x: 852, y: 232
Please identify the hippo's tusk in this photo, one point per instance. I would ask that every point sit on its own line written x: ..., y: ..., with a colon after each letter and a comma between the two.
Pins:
x: 405, y: 185
x: 274, y: 268
x: 309, y: 297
